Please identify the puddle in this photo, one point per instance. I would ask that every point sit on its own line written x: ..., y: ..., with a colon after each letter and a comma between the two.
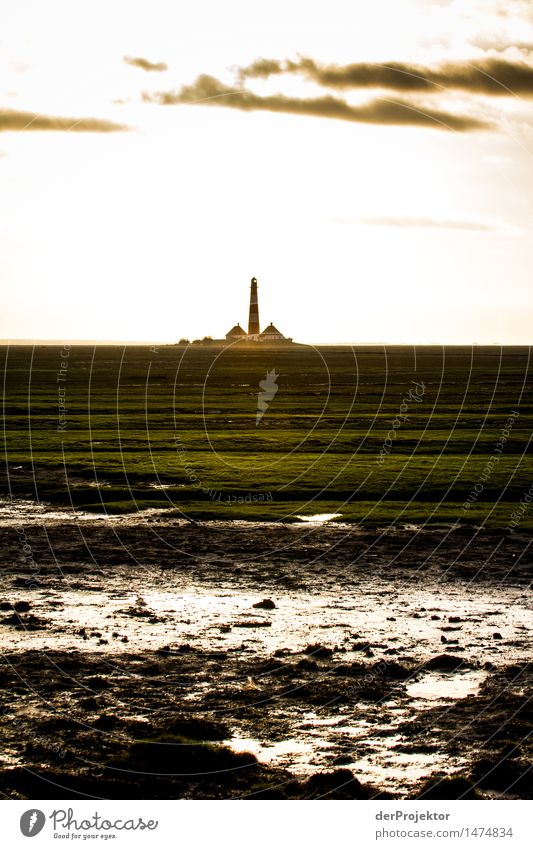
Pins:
x: 368, y: 748
x: 40, y: 513
x: 295, y: 755
x: 371, y: 757
x: 164, y: 486
x: 446, y: 686
x: 395, y: 770
x: 319, y: 518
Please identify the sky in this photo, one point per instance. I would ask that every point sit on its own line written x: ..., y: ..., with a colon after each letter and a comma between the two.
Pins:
x: 369, y: 161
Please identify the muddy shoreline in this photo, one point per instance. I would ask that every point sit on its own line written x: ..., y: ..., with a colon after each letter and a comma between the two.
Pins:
x: 153, y: 659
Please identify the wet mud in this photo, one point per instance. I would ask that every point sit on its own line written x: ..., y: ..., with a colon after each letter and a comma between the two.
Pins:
x: 156, y: 659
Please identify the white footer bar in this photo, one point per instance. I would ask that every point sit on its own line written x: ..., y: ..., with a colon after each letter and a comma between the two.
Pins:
x: 267, y: 824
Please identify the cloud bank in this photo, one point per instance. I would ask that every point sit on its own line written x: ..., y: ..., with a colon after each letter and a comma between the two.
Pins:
x: 491, y: 76
x: 207, y: 90
x: 12, y: 120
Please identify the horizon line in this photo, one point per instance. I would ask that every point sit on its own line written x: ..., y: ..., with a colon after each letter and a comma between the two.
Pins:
x: 166, y: 343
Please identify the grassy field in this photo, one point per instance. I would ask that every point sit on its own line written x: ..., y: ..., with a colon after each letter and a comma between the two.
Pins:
x: 377, y: 435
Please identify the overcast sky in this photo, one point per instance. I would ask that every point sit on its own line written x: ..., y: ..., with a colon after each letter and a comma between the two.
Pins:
x: 369, y: 161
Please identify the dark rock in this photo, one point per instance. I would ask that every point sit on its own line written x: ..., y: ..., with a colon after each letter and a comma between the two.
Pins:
x: 340, y: 784
x: 307, y: 665
x: 342, y: 760
x: 98, y: 683
x: 361, y: 646
x: 151, y: 670
x: 393, y: 670
x: 14, y: 619
x: 21, y: 606
x: 497, y: 636
x: 259, y: 623
x: 266, y: 604
x: 195, y: 728
x: 89, y: 704
x: 28, y: 623
x: 105, y: 722
x: 316, y: 650
x: 447, y: 787
x: 444, y: 662
x: 179, y: 756
x: 374, y: 691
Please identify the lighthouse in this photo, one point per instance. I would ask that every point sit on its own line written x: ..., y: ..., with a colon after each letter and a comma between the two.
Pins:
x: 253, y: 315
x: 270, y: 335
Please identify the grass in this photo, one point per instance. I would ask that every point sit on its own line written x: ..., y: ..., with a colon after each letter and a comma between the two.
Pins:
x: 138, y: 419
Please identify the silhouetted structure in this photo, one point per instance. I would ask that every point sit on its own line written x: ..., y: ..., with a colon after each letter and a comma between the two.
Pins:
x: 269, y: 335
x: 253, y: 315
x: 235, y: 333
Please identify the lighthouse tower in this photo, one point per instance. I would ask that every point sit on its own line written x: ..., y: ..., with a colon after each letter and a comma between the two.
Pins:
x: 253, y: 316
x: 270, y: 335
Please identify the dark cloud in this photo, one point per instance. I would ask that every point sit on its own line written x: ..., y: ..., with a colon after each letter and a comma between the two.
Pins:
x: 490, y: 76
x: 210, y: 91
x: 264, y: 68
x: 433, y: 223
x: 12, y: 120
x: 144, y: 64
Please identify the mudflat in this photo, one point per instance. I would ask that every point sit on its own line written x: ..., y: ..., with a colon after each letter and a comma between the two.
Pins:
x: 151, y: 658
